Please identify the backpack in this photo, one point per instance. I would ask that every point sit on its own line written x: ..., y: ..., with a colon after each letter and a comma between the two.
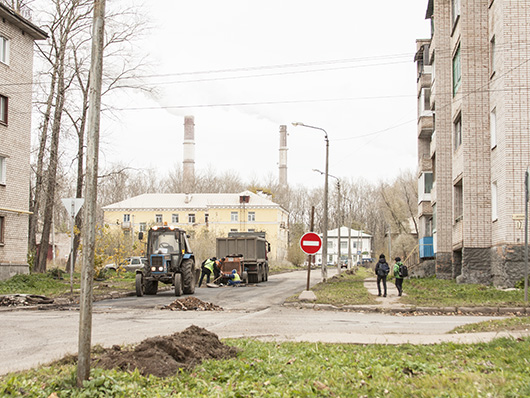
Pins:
x: 403, y: 270
x: 383, y: 270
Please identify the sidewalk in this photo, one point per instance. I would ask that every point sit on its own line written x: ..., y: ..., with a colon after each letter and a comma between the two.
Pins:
x: 392, y: 304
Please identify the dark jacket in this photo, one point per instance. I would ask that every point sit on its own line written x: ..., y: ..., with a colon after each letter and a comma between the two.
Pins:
x: 382, y: 268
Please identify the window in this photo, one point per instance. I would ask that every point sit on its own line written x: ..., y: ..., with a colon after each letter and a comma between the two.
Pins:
x: 424, y: 102
x: 158, y: 218
x: 492, y: 56
x: 459, y: 200
x: 174, y: 218
x: 233, y: 230
x: 2, y: 228
x: 457, y: 71
x: 2, y: 170
x: 143, y: 227
x: 493, y: 128
x: 457, y: 132
x: 4, y: 50
x: 234, y: 216
x: 251, y: 230
x: 455, y: 10
x: 3, y: 109
x: 494, y: 201
x: 427, y: 188
x: 343, y: 245
x: 126, y: 218
x: 191, y: 218
x: 251, y: 216
x: 206, y: 218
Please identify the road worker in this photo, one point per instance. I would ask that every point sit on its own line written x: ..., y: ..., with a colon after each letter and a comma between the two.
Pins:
x: 233, y: 278
x: 207, y: 269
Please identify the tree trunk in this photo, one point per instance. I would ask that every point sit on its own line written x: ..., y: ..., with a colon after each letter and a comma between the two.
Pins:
x: 40, y: 265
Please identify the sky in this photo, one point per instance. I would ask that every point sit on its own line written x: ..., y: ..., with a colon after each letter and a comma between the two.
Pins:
x: 242, y: 68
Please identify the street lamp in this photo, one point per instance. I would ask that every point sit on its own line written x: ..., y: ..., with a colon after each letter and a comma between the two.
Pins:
x: 340, y: 219
x: 325, y: 232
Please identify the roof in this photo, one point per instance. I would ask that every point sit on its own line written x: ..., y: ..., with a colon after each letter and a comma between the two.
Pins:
x: 18, y: 20
x: 174, y: 201
x: 344, y: 233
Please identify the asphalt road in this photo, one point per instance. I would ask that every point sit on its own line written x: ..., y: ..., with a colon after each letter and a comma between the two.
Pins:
x: 30, y: 338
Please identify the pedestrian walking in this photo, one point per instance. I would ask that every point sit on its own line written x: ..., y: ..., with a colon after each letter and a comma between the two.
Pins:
x: 381, y: 270
x: 400, y: 272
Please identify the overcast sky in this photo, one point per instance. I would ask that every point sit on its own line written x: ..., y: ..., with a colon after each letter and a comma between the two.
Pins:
x: 242, y: 68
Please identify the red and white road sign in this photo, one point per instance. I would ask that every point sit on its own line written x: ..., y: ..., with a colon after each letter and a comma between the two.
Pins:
x: 310, y: 243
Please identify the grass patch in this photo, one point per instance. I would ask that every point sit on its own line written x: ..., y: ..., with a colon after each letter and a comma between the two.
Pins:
x: 495, y: 325
x: 496, y: 369
x: 343, y: 289
x: 434, y: 292
x: 49, y: 286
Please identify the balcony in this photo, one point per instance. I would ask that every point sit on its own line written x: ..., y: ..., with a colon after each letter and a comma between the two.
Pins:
x: 425, y: 125
x: 425, y: 164
x: 432, y: 149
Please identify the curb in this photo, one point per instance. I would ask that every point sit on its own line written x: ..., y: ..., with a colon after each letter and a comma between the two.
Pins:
x: 499, y: 311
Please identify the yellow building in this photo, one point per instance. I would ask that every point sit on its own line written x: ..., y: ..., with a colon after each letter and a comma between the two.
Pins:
x: 221, y: 213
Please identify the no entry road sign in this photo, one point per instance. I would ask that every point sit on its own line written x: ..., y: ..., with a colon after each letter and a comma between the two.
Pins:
x: 310, y: 243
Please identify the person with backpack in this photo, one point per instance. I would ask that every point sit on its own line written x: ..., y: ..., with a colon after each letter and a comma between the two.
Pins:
x: 400, y: 272
x: 381, y: 270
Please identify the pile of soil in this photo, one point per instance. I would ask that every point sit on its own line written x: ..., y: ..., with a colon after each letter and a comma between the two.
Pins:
x: 191, y: 303
x: 164, y: 356
x: 16, y: 300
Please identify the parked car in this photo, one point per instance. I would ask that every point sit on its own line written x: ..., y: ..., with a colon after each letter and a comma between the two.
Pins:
x: 130, y: 264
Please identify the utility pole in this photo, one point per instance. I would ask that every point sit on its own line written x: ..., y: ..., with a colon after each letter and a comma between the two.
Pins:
x: 338, y: 231
x: 526, y: 236
x: 87, y: 272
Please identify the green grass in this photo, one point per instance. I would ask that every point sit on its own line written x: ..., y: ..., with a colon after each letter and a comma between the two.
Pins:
x: 343, y: 289
x: 442, y: 293
x: 495, y: 325
x: 46, y: 285
x: 496, y: 369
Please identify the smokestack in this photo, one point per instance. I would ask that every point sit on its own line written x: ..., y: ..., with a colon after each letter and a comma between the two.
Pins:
x: 188, y: 163
x: 283, y: 155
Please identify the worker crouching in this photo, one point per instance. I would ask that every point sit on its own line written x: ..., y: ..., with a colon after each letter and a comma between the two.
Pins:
x: 233, y: 278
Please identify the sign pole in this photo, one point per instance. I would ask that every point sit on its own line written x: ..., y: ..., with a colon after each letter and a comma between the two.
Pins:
x: 309, y: 255
x: 72, y: 215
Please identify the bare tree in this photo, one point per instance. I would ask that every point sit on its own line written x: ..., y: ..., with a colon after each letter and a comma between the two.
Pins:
x: 68, y: 56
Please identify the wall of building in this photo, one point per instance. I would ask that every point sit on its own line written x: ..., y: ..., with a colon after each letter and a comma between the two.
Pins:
x: 15, y: 142
x: 272, y: 221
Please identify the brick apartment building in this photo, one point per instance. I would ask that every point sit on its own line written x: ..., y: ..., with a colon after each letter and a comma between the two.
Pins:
x: 17, y: 35
x: 474, y: 138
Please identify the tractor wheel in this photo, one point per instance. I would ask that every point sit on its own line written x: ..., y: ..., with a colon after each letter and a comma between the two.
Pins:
x: 188, y: 279
x: 151, y: 287
x: 178, y: 285
x: 139, y: 287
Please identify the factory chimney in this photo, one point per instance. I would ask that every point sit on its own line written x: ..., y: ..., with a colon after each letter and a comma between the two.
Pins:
x: 283, y: 156
x: 188, y: 163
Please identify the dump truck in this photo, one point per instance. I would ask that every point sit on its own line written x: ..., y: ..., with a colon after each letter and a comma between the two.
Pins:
x: 252, y: 251
x: 169, y: 260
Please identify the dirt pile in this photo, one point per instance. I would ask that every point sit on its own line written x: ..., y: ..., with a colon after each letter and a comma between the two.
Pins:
x: 17, y: 300
x: 191, y: 304
x: 163, y: 356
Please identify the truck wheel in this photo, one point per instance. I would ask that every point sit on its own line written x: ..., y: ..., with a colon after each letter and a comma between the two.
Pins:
x: 178, y: 285
x: 151, y: 287
x: 188, y: 278
x: 139, y: 287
